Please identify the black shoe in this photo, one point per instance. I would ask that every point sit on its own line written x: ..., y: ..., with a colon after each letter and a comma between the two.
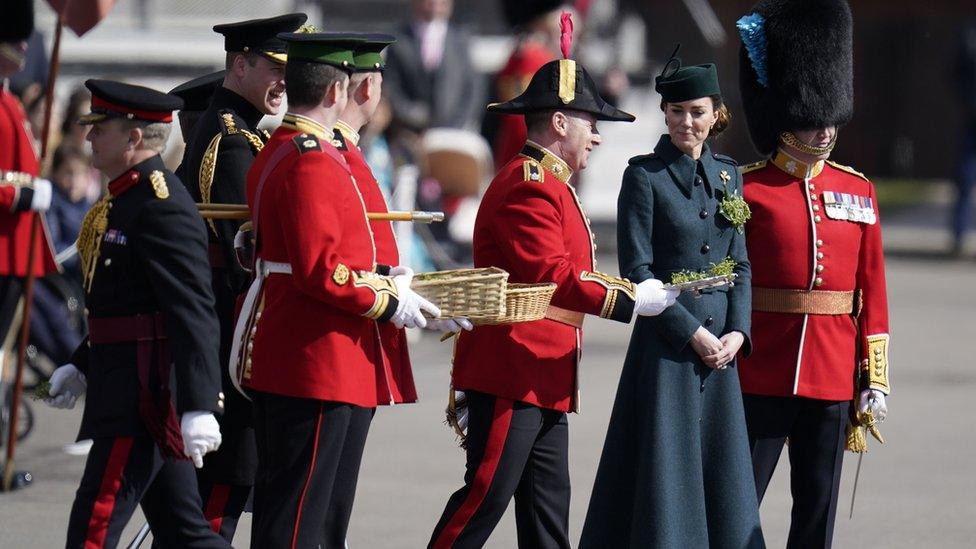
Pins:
x: 20, y: 479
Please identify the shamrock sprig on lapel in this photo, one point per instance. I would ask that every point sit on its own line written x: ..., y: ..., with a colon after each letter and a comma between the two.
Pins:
x: 733, y: 207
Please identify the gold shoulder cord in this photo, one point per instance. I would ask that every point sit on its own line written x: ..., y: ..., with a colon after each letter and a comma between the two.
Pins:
x: 254, y: 140
x: 90, y: 238
x: 207, y: 167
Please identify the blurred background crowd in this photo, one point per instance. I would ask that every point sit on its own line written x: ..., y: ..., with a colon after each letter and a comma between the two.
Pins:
x: 432, y: 145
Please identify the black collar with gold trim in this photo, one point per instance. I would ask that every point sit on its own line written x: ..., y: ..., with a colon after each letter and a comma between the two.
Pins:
x: 549, y: 161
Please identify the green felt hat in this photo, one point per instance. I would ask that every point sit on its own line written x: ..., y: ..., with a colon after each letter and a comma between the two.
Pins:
x: 368, y: 55
x: 677, y: 83
x: 329, y: 48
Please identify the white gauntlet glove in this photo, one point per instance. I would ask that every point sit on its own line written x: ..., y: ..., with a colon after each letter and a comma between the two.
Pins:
x: 67, y: 384
x: 873, y: 400
x: 201, y: 434
x: 409, y: 313
x: 41, y: 200
x: 652, y: 298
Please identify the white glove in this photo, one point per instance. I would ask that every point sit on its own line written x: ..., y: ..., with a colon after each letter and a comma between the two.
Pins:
x: 462, y: 411
x: 409, y: 313
x: 652, y: 298
x: 67, y: 384
x: 873, y: 400
x: 41, y: 200
x: 201, y: 434
x: 450, y: 324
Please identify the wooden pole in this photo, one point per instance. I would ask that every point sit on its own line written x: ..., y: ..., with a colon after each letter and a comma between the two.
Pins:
x: 24, y: 339
x: 241, y: 212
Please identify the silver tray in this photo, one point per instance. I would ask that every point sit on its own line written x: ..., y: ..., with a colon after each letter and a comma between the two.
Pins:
x: 704, y: 284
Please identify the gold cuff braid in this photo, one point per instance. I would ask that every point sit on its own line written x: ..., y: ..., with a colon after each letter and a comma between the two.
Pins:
x: 382, y: 286
x: 877, y: 363
x: 614, y: 286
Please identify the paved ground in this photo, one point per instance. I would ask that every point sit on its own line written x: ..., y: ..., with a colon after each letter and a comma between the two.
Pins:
x: 916, y: 491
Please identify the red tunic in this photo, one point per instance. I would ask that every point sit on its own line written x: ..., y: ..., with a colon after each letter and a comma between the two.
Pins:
x: 796, y: 241
x: 317, y: 335
x: 17, y: 155
x: 532, y: 225
x: 396, y: 358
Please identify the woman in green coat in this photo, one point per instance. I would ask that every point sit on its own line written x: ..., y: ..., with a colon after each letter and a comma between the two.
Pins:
x: 676, y: 469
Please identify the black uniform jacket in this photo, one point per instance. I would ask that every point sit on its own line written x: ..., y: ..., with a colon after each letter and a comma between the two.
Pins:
x: 152, y: 260
x: 214, y: 169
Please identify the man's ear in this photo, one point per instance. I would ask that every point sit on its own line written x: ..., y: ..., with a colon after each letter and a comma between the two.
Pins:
x: 338, y: 88
x: 559, y: 123
x: 135, y: 138
x: 237, y: 65
x: 370, y: 88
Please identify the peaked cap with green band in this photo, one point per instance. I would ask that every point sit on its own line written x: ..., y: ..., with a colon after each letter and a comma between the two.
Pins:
x: 328, y: 48
x: 677, y: 83
x: 368, y: 55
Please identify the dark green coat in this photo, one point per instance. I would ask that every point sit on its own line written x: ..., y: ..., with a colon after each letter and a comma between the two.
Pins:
x: 676, y: 469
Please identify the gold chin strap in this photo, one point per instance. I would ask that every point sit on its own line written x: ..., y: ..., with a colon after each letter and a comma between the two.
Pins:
x: 787, y: 138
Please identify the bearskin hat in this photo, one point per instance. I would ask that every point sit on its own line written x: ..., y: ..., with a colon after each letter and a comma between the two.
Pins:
x: 523, y: 12
x: 796, y: 68
x: 19, y: 21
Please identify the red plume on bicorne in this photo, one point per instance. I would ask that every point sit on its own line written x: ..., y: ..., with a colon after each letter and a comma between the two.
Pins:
x: 566, y: 30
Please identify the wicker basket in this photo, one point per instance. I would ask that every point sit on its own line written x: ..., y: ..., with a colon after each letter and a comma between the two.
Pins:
x: 523, y: 303
x: 478, y: 294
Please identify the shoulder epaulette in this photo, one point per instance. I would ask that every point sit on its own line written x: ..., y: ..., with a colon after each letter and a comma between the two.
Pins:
x: 638, y: 159
x: 158, y: 181
x: 753, y: 167
x: 849, y: 170
x: 532, y: 171
x: 228, y: 126
x: 338, y: 141
x: 726, y: 159
x: 306, y: 143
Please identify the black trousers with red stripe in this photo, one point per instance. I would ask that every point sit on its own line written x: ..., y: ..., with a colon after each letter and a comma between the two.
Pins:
x: 309, y: 452
x: 513, y: 449
x: 223, y: 505
x: 123, y: 472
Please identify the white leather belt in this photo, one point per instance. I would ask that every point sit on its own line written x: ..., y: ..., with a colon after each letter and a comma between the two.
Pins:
x: 269, y: 267
x: 246, y: 324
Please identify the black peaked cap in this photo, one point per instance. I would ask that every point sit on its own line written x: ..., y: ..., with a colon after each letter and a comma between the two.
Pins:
x: 111, y: 99
x: 196, y: 93
x: 260, y: 35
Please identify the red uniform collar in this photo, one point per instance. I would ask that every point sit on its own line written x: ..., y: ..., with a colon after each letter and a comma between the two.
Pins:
x: 123, y: 182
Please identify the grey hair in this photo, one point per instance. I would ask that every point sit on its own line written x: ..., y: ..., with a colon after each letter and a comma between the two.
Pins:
x: 154, y: 134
